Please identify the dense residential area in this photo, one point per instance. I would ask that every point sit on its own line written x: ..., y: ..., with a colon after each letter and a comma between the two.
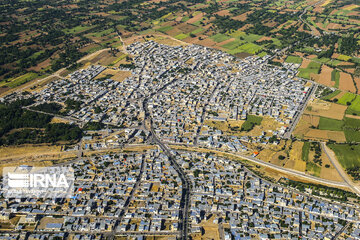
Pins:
x: 179, y: 119
x: 138, y: 194
x: 178, y: 97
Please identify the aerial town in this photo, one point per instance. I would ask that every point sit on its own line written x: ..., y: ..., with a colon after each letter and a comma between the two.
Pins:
x: 138, y: 194
x: 196, y: 84
x: 172, y: 97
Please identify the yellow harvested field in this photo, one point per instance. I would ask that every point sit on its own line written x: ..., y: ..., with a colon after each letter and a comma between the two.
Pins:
x: 346, y: 82
x: 267, y: 124
x: 316, y: 133
x: 157, y: 37
x: 305, y: 63
x: 313, y: 120
x: 220, y: 125
x: 329, y: 173
x: 266, y: 155
x: 337, y: 136
x: 326, y: 3
x: 325, y: 76
x: 116, y: 75
x: 351, y: 7
x: 196, y: 18
x: 23, y: 151
x: 59, y: 120
x: 211, y: 229
x: 326, y: 109
x: 295, y: 161
x: 352, y: 116
x: 236, y: 123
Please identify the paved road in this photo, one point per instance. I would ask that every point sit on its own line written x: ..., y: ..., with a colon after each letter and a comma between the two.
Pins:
x: 331, y: 155
x: 185, y: 195
x: 67, y: 118
x: 341, y: 231
x: 186, y: 184
x: 296, y: 119
x: 305, y: 22
x: 276, y: 167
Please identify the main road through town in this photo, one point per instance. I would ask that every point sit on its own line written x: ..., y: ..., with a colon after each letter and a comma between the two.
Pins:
x: 186, y: 183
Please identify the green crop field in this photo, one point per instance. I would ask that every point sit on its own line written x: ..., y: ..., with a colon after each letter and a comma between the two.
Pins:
x: 250, y: 122
x: 314, y: 65
x: 330, y: 124
x: 78, y: 29
x: 261, y: 54
x: 237, y: 34
x: 313, y: 168
x: 294, y: 59
x: 14, y: 82
x: 198, y: 30
x: 352, y: 135
x: 102, y: 33
x: 181, y: 36
x: 250, y: 48
x: 355, y: 59
x: 352, y: 123
x: 347, y: 97
x: 333, y: 62
x: 305, y: 151
x: 355, y: 106
x: 186, y: 18
x: 164, y: 29
x: 344, y: 58
x: 251, y: 37
x: 335, y: 77
x: 351, y: 129
x: 232, y: 45
x: 219, y: 37
x: 348, y: 156
x: 305, y: 73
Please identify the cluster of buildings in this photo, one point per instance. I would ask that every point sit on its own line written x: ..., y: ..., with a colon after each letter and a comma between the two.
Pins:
x: 115, y: 193
x: 212, y: 85
x: 140, y: 193
x: 197, y: 85
x: 227, y: 195
x: 184, y: 89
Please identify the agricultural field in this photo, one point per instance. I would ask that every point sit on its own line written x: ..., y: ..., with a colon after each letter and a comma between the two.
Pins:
x: 219, y: 37
x: 17, y: 81
x: 330, y: 124
x: 346, y: 98
x: 348, y: 155
x: 326, y: 109
x: 329, y: 121
x: 294, y: 59
x: 116, y: 75
x: 312, y: 68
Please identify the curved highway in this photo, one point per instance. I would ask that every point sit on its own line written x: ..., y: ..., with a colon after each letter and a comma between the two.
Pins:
x: 276, y: 167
